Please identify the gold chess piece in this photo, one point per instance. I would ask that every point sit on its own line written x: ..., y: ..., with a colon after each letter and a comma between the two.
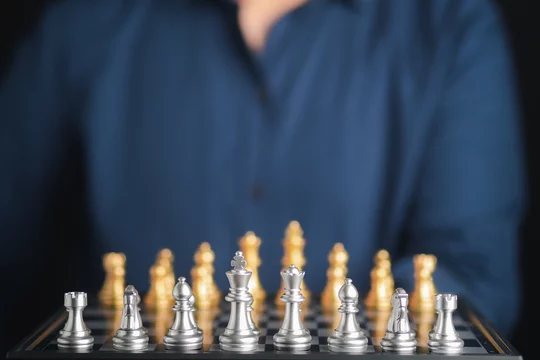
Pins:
x: 336, y: 273
x: 293, y: 245
x: 162, y: 321
x: 382, y: 283
x: 424, y: 324
x: 112, y: 291
x: 204, y: 287
x: 249, y: 245
x: 423, y: 295
x: 205, y: 321
x: 378, y: 320
x: 162, y: 281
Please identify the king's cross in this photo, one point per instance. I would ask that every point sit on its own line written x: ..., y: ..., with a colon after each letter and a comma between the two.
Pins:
x: 238, y: 262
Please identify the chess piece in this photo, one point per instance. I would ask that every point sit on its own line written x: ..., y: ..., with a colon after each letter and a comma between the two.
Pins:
x: 424, y: 324
x: 444, y: 339
x: 162, y: 321
x: 423, y: 296
x: 399, y: 336
x: 293, y: 245
x: 252, y: 325
x: 184, y: 333
x: 336, y: 273
x: 202, y: 278
x: 292, y: 335
x: 382, y: 283
x: 205, y: 320
x: 162, y: 281
x: 238, y: 335
x: 191, y: 316
x: 131, y: 335
x: 75, y: 335
x: 112, y: 291
x: 348, y: 336
x: 249, y: 245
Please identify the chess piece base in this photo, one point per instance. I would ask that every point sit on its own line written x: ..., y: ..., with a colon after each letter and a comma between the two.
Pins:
x: 295, y: 340
x: 185, y: 340
x: 444, y: 344
x: 77, y: 340
x: 402, y: 343
x: 347, y: 342
x: 238, y: 341
x: 130, y: 340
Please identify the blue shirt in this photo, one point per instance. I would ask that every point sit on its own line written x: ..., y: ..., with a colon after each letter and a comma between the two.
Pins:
x: 378, y: 124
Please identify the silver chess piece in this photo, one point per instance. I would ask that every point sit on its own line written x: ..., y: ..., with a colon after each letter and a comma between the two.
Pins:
x: 75, y: 335
x: 132, y: 335
x: 348, y: 336
x: 252, y: 325
x: 184, y: 333
x: 292, y: 336
x: 444, y: 339
x: 191, y: 316
x: 238, y: 335
x: 399, y: 337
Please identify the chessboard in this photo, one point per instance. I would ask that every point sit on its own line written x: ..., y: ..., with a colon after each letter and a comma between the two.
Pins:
x: 481, y: 340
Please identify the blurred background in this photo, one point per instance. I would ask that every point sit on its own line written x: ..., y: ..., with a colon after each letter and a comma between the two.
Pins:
x: 17, y: 17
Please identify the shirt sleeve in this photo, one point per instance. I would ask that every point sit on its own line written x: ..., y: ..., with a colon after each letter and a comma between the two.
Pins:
x: 470, y: 198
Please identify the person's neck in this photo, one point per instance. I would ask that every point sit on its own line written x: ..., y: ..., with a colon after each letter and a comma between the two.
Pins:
x: 256, y: 18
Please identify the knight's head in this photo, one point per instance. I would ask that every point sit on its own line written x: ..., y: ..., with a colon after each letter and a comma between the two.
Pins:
x: 399, y: 298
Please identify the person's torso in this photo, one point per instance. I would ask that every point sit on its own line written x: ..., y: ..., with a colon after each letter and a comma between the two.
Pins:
x: 188, y: 140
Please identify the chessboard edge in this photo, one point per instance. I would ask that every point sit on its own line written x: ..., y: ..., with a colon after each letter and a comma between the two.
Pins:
x: 500, y: 343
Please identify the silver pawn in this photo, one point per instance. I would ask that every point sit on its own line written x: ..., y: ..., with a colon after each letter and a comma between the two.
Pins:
x: 348, y: 336
x: 292, y: 336
x: 399, y: 337
x: 444, y: 339
x: 131, y: 335
x: 238, y: 335
x: 75, y: 335
x: 184, y: 333
x: 191, y: 316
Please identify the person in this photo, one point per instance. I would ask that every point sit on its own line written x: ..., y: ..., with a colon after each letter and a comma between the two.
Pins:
x: 132, y: 126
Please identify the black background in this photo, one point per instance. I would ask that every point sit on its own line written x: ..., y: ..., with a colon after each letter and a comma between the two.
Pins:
x: 17, y: 18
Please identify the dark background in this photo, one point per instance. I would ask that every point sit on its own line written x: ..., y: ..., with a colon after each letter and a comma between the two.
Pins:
x: 17, y: 18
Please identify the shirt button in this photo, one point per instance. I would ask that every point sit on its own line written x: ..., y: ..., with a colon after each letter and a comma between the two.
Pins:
x: 262, y: 94
x: 257, y: 191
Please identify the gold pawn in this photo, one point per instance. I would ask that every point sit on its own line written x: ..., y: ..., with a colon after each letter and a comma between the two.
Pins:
x: 162, y: 281
x: 205, y: 321
x: 249, y: 245
x: 204, y: 287
x: 423, y: 295
x: 112, y: 291
x: 293, y: 245
x: 382, y: 283
x: 336, y: 273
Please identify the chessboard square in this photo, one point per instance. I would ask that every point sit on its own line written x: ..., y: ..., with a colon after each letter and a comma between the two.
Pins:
x: 466, y: 335
x: 261, y: 347
x: 315, y: 348
x: 325, y: 332
x: 269, y: 347
x: 470, y: 343
x: 263, y: 330
x: 271, y: 332
x: 262, y: 339
x: 474, y: 350
x: 269, y: 340
x: 314, y: 340
x: 310, y: 324
x: 323, y: 348
x: 273, y: 324
x: 458, y: 321
x: 214, y: 348
x: 323, y: 340
x: 461, y: 327
x: 97, y: 325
